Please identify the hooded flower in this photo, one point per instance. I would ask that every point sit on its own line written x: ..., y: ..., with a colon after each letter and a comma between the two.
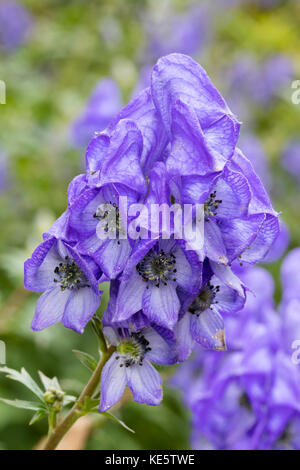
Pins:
x: 70, y: 282
x: 131, y: 365
x: 99, y: 215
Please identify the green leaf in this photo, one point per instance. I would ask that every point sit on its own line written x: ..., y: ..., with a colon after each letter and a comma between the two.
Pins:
x: 114, y: 418
x: 40, y: 414
x: 90, y: 405
x: 26, y: 405
x: 86, y: 359
x: 24, y: 378
x: 69, y: 399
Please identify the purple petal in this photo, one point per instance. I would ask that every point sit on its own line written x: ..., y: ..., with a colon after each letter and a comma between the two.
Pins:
x: 208, y: 330
x: 162, y: 351
x: 142, y: 111
x: 260, y: 202
x: 214, y: 246
x: 177, y: 77
x: 94, y: 156
x: 225, y: 274
x: 145, y: 383
x: 229, y: 300
x: 239, y: 234
x: 82, y: 212
x: 50, y: 308
x: 129, y: 300
x: 122, y: 161
x: 39, y: 269
x: 188, y: 270
x: 112, y: 257
x: 76, y: 187
x: 189, y: 154
x: 161, y: 305
x: 81, y: 306
x: 113, y: 383
x: 184, y: 339
x: 266, y: 236
x: 234, y: 192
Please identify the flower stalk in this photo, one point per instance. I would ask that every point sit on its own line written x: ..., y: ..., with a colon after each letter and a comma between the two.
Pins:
x: 76, y: 411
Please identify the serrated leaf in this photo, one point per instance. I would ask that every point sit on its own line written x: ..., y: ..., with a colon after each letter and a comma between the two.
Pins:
x: 114, y: 418
x: 24, y: 378
x: 26, y: 405
x: 40, y: 414
x: 86, y: 359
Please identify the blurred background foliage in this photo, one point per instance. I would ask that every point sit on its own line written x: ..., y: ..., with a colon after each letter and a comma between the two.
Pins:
x: 71, y: 45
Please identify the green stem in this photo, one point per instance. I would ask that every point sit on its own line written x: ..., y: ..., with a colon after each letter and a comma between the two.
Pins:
x: 76, y: 412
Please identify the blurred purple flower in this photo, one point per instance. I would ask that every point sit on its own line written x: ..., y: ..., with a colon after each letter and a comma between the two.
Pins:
x: 248, y: 397
x: 185, y: 33
x: 104, y: 103
x: 15, y: 24
x: 252, y: 83
x: 291, y: 159
x: 3, y: 172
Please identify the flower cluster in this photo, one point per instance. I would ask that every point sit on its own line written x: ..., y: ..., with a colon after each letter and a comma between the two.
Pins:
x: 248, y: 396
x: 175, y: 144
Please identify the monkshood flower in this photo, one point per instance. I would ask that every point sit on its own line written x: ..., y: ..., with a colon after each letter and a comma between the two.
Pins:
x: 131, y: 365
x: 291, y: 159
x: 202, y: 320
x: 15, y: 24
x: 104, y: 103
x: 70, y: 285
x: 150, y: 279
x: 183, y: 119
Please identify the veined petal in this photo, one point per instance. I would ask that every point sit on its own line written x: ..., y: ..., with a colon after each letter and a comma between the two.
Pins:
x: 81, y: 306
x: 184, y: 339
x: 39, y: 269
x: 162, y: 351
x: 208, y: 330
x: 214, y: 245
x: 112, y: 257
x: 113, y: 383
x: 121, y: 164
x: 145, y: 383
x: 233, y: 190
x: 161, y: 304
x: 129, y: 300
x: 50, y: 308
x: 225, y: 274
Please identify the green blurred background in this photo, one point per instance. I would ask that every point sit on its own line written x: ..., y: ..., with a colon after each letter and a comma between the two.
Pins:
x: 72, y: 45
